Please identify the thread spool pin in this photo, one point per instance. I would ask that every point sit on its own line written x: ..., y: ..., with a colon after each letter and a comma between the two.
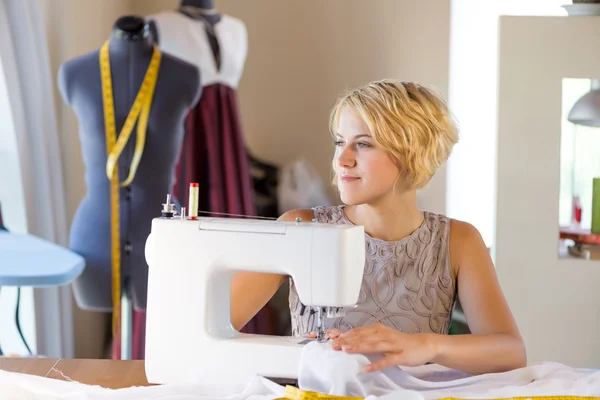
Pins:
x: 168, y: 208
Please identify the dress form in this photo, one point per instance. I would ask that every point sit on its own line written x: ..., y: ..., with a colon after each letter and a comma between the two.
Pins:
x: 198, y: 9
x: 214, y: 153
x: 177, y: 90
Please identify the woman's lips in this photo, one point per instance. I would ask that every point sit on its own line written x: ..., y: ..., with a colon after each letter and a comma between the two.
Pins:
x: 348, y: 179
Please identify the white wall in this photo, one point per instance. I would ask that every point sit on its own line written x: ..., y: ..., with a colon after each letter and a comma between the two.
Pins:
x: 303, y: 54
x: 472, y: 95
x: 556, y: 302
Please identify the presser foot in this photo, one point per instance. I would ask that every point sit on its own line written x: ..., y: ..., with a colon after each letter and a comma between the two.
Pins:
x: 321, y: 338
x: 321, y: 313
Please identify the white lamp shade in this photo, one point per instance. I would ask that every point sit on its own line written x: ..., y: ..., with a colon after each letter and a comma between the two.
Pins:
x: 586, y: 111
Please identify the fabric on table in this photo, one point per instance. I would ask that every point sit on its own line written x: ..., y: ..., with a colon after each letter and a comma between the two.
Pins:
x: 340, y: 373
x: 331, y: 372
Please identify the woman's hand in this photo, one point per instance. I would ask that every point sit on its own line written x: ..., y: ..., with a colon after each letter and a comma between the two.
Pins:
x: 397, y: 348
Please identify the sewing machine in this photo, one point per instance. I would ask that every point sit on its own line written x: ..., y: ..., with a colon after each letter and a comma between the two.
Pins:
x: 189, y: 335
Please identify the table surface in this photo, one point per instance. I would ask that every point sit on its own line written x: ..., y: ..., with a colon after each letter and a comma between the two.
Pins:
x: 28, y: 260
x: 113, y: 374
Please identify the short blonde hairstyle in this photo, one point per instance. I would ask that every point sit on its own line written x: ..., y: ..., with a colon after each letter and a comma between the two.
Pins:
x: 410, y: 121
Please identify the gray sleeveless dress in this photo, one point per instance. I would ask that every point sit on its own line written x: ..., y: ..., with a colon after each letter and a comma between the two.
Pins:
x: 407, y: 285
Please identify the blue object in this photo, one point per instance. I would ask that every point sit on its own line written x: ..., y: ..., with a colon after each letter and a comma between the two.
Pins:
x: 26, y: 260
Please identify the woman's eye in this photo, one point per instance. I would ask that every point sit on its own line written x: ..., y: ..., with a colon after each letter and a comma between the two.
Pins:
x: 363, y: 144
x: 338, y: 143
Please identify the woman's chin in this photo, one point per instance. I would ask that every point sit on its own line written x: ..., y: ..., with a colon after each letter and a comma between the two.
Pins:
x: 351, y: 199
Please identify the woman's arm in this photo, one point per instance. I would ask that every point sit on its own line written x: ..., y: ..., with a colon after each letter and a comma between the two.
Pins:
x: 495, y: 344
x: 250, y: 291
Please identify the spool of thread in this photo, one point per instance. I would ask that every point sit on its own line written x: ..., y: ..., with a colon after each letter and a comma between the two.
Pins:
x: 193, y: 201
x: 596, y: 206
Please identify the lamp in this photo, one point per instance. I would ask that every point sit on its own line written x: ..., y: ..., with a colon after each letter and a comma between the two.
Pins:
x: 586, y: 111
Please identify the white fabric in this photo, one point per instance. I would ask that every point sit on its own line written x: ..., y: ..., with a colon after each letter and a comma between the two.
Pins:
x: 326, y: 371
x: 300, y: 186
x: 187, y: 39
x: 26, y: 63
x: 340, y: 374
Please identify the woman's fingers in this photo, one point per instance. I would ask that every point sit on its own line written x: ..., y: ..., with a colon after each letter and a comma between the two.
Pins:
x: 333, y: 333
x: 359, y: 336
x: 385, y: 362
x: 371, y: 347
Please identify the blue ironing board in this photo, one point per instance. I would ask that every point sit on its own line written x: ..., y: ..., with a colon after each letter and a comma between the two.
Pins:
x: 26, y: 260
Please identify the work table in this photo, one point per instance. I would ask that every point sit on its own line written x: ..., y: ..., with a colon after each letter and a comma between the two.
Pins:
x: 113, y: 374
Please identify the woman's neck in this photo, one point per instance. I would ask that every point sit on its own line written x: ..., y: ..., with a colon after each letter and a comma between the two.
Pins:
x: 391, y: 218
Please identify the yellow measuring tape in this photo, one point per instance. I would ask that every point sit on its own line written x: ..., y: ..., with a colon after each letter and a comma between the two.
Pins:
x: 293, y: 393
x: 114, y: 148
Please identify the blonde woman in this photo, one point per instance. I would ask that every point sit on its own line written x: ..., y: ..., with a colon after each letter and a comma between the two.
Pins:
x: 390, y: 138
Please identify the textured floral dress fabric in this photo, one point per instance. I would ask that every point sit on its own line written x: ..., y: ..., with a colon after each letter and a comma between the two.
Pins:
x: 408, y: 284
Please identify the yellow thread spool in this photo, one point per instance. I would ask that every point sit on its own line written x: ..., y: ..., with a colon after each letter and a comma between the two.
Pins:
x: 193, y: 201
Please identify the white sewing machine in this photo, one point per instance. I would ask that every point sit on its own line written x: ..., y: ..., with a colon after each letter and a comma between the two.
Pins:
x: 189, y: 335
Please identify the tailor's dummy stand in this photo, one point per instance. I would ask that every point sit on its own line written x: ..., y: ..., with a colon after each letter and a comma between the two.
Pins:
x: 177, y: 90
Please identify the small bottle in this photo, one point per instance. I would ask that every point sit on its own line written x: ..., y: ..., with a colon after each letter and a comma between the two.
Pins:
x: 576, y: 213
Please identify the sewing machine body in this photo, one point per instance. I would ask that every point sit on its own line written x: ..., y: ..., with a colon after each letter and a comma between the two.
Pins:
x: 189, y: 335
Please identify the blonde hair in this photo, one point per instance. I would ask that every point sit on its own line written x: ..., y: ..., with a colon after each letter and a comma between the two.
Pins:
x: 408, y: 120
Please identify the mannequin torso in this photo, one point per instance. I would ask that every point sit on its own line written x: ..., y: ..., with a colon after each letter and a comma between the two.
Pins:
x: 204, y: 7
x: 202, y: 10
x: 177, y: 90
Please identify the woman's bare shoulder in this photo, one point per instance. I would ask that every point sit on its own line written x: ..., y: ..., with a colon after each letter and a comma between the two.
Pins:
x: 464, y: 234
x: 305, y: 214
x: 465, y: 242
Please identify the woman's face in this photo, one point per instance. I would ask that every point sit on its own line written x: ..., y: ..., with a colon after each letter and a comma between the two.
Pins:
x: 365, y: 171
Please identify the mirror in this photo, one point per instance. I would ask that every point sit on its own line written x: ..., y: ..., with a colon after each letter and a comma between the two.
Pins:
x: 579, y: 196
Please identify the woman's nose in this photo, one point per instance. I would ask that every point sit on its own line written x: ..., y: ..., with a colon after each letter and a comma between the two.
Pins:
x: 346, y: 158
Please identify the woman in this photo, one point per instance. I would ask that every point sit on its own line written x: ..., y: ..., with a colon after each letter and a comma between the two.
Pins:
x: 390, y: 139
